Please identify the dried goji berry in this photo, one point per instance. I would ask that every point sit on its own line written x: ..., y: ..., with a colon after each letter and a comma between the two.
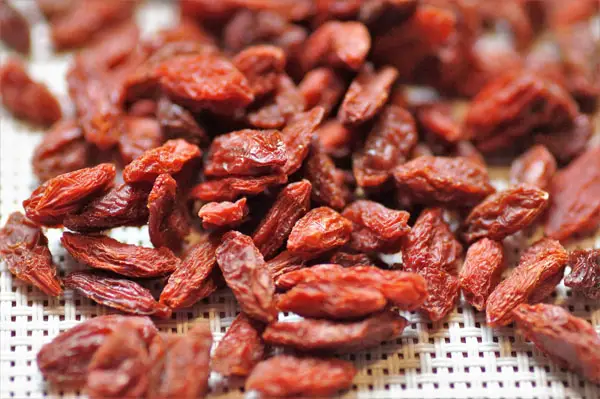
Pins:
x: 449, y: 181
x: 338, y: 299
x: 102, y: 252
x: 261, y: 65
x: 388, y: 145
x: 367, y: 95
x: 319, y: 231
x: 335, y: 139
x: 568, y: 142
x: 182, y: 368
x: 285, y: 375
x: 540, y: 269
x: 285, y: 262
x: 381, y: 15
x: 481, y: 271
x: 125, y: 205
x: 24, y: 248
x: 168, y: 158
x: 285, y: 102
x: 328, y: 188
x: 570, y: 341
x: 432, y: 251
x: 577, y: 49
x: 297, y: 136
x: 113, y: 45
x: 375, y: 227
x: 124, y: 295
x: 575, y: 197
x: 97, y: 111
x: 330, y: 336
x: 438, y: 120
x: 408, y: 44
x: 337, y: 44
x: 348, y: 259
x: 291, y: 204
x: 139, y: 135
x: 177, y: 122
x: 205, y: 81
x: 83, y: 20
x: 64, y: 361
x: 120, y: 367
x: 14, y: 28
x: 62, y: 150
x: 230, y: 188
x: 322, y: 87
x: 26, y: 98
x: 247, y: 28
x: 404, y: 290
x: 535, y: 167
x: 192, y: 280
x: 585, y: 272
x: 514, y: 105
x: 248, y: 276
x: 246, y: 152
x: 505, y: 212
x: 240, y: 349
x: 51, y: 202
x: 223, y: 214
x: 168, y: 222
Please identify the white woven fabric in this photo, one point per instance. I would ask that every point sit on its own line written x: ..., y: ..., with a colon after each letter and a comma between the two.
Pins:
x: 459, y: 357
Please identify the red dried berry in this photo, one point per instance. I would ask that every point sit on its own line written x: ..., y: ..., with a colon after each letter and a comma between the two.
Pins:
x: 246, y: 152
x: 505, y: 212
x: 62, y: 150
x: 169, y: 158
x: 585, y: 272
x: 330, y: 336
x: 168, y: 222
x: 124, y: 295
x: 337, y: 44
x: 230, y: 188
x: 215, y: 215
x: 568, y: 340
x: 192, y: 280
x: 440, y: 180
x: 375, y: 227
x: 388, y: 145
x: 319, y: 231
x: 248, y: 276
x: 139, y: 135
x: 64, y: 361
x: 26, y: 98
x: 432, y: 251
x: 240, y: 349
x: 481, y: 271
x: 540, y: 269
x: 535, y: 167
x: 102, y: 252
x: 14, y: 29
x: 51, y: 202
x: 575, y: 197
x: 285, y: 375
x: 24, y: 248
x: 125, y: 205
x: 205, y: 81
x: 367, y: 95
x: 290, y: 205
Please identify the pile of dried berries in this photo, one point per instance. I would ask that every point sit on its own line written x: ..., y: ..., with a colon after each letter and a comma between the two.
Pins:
x: 295, y: 131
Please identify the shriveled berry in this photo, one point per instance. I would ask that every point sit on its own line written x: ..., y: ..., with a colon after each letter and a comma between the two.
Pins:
x: 319, y: 231
x: 481, y: 271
